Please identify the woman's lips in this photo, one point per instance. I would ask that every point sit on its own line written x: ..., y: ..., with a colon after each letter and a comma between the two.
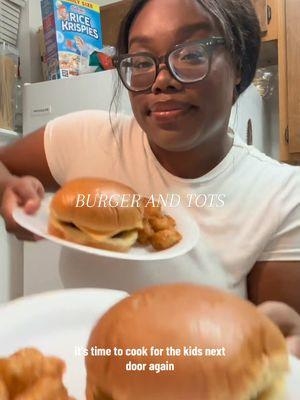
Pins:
x: 166, y: 112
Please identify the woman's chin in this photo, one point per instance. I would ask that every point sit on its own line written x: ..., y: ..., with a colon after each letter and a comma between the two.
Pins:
x: 173, y: 131
x: 172, y: 140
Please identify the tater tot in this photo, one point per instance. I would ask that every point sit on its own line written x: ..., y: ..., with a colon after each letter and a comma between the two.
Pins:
x: 46, y: 388
x: 22, y: 369
x: 162, y: 240
x: 151, y: 209
x: 159, y: 229
x: 162, y: 223
x: 145, y: 234
x: 4, y: 395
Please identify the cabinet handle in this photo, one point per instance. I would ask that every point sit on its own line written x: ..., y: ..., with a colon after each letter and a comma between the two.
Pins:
x: 287, y: 135
x: 249, y: 132
x: 269, y: 14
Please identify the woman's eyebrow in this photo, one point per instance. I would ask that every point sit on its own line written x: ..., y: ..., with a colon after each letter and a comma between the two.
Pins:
x: 186, y: 31
x: 140, y: 40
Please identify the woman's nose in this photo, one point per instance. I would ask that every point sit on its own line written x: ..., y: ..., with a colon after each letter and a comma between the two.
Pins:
x: 165, y: 82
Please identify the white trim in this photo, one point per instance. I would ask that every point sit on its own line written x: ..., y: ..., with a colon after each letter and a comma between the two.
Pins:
x: 9, y: 134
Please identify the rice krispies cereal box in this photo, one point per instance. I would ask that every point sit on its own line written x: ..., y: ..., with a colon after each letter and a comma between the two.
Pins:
x: 72, y: 30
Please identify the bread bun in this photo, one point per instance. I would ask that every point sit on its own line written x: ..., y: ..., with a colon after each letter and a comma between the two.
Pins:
x: 90, y: 211
x: 192, y: 317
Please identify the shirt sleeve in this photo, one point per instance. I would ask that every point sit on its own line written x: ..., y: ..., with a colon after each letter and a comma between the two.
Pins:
x: 284, y: 245
x: 80, y: 143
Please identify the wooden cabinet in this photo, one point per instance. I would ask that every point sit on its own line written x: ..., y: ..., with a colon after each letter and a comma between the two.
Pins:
x: 268, y: 17
x: 272, y: 21
x: 288, y: 48
x: 262, y: 13
x: 281, y: 45
x: 292, y: 140
x: 111, y: 17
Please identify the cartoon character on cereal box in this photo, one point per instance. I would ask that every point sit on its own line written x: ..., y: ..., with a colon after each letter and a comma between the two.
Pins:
x: 70, y: 45
x: 62, y: 11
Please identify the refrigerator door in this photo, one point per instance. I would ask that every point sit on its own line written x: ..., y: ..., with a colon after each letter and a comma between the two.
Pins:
x: 46, y: 100
x: 250, y: 106
x: 11, y: 266
x: 11, y: 249
x: 263, y: 115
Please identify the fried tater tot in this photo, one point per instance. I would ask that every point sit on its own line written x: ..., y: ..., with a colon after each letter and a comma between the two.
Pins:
x: 46, y: 388
x: 145, y: 234
x: 159, y: 229
x: 162, y: 223
x: 4, y: 395
x: 162, y: 240
x: 151, y: 209
x: 25, y: 367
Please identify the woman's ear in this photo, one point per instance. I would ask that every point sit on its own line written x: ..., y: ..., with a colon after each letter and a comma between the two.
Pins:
x: 238, y: 78
x: 235, y: 95
x: 237, y: 81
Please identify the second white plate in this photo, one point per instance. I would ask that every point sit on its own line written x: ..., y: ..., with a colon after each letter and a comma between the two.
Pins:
x: 57, y: 323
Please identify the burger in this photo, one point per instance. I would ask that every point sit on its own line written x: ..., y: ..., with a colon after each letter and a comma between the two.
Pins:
x: 96, y: 212
x: 185, y: 342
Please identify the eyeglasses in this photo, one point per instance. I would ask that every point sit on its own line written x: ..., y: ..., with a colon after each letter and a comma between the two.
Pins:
x: 187, y: 63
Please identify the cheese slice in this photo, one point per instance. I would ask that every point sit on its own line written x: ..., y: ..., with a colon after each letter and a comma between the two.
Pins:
x: 72, y: 233
x: 96, y: 235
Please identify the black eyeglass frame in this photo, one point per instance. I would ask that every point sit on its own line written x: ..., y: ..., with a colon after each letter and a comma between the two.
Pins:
x: 210, y: 44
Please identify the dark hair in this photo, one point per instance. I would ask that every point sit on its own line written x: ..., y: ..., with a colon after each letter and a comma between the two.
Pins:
x: 238, y: 23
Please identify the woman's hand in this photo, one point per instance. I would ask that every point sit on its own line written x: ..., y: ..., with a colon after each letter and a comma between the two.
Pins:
x: 26, y: 192
x: 288, y: 321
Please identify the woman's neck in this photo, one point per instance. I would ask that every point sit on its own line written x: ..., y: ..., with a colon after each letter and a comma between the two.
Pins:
x: 197, y: 162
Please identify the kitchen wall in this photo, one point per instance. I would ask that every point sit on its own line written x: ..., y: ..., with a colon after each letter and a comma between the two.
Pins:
x: 28, y: 44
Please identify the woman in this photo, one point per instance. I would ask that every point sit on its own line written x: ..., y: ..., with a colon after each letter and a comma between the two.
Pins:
x: 184, y: 62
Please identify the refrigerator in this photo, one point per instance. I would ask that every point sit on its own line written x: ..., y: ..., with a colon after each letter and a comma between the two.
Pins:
x: 11, y: 249
x: 47, y: 100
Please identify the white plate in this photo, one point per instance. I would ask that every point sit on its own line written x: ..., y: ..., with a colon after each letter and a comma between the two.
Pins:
x: 38, y: 224
x: 57, y: 322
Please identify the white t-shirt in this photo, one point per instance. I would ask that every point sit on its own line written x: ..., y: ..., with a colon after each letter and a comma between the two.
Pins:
x: 259, y: 220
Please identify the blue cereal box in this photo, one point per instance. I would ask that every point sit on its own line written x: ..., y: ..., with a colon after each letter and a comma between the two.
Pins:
x: 72, y: 30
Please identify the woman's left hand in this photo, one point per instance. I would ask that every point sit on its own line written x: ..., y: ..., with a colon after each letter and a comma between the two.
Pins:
x: 288, y: 321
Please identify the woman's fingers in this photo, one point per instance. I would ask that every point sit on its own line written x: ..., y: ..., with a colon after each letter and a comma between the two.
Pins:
x: 30, y: 193
x: 293, y: 343
x: 26, y: 192
x: 287, y: 320
x: 9, y: 203
x: 284, y: 316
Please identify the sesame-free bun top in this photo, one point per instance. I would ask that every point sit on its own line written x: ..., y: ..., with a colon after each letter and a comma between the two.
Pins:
x: 253, y: 368
x: 106, y: 220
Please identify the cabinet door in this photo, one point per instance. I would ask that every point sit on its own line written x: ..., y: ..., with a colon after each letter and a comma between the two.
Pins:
x: 261, y: 11
x: 293, y: 73
x: 111, y: 17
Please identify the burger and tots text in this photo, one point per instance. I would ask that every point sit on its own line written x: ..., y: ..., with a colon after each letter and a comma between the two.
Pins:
x: 171, y: 200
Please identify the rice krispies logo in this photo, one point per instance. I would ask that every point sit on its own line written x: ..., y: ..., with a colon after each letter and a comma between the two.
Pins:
x: 77, y: 21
